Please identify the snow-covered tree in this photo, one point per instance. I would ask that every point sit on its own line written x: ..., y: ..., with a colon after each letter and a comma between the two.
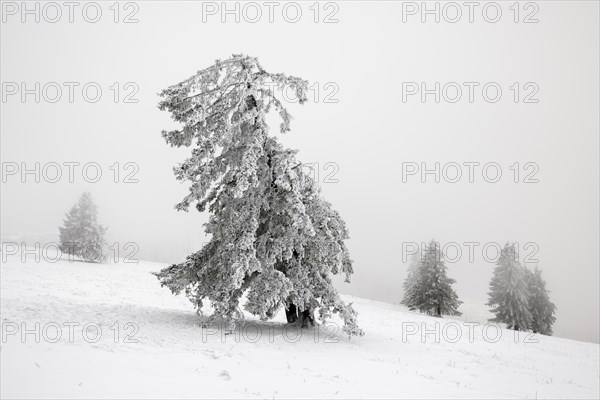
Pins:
x: 427, y: 286
x: 409, y: 297
x: 541, y: 308
x: 508, y: 296
x: 81, y: 235
x: 273, y: 237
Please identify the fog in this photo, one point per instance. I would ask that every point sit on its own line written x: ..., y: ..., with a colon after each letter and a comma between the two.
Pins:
x: 367, y: 135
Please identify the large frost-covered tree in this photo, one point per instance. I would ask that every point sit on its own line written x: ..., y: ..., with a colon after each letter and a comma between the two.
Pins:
x: 541, y: 308
x: 427, y: 286
x: 272, y: 236
x: 81, y: 235
x: 509, y: 294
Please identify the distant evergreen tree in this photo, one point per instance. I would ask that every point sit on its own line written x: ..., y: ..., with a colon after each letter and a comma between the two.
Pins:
x: 541, y: 308
x: 68, y: 232
x: 411, y: 281
x: 428, y: 288
x: 509, y: 294
x: 81, y: 235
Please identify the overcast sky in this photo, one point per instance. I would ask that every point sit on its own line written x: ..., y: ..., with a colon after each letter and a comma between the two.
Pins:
x: 369, y: 134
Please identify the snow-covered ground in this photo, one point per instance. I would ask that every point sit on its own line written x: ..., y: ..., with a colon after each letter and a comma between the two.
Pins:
x: 151, y: 345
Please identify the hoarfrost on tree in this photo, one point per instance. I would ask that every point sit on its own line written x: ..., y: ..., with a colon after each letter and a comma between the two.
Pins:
x: 273, y: 237
x: 508, y: 295
x: 427, y: 287
x: 81, y: 235
x: 541, y: 308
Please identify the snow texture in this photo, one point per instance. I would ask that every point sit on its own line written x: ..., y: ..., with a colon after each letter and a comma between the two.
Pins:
x: 174, y: 357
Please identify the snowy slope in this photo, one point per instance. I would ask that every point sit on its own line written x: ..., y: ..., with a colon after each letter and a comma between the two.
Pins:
x: 169, y: 355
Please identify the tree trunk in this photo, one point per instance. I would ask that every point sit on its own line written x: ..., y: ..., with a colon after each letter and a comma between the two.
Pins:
x: 291, y: 314
x: 307, y: 318
x: 439, y: 311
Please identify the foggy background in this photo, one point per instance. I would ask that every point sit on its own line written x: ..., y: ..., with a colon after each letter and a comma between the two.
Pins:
x: 368, y: 134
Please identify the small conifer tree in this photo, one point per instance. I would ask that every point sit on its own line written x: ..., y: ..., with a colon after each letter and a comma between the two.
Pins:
x: 508, y: 295
x: 541, y: 308
x: 427, y: 286
x: 81, y: 235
